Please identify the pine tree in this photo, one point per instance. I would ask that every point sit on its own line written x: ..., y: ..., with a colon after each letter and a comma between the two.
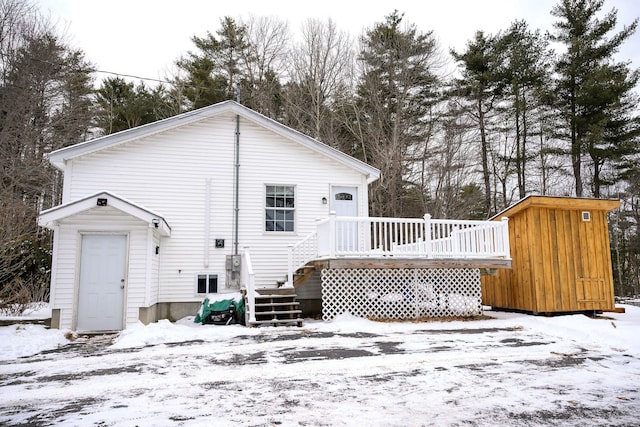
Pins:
x: 591, y: 88
x: 524, y: 71
x: 214, y: 71
x: 481, y: 87
x: 45, y: 104
x: 395, y: 91
x: 122, y: 105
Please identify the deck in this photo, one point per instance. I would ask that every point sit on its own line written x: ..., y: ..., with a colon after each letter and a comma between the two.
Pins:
x: 367, y: 243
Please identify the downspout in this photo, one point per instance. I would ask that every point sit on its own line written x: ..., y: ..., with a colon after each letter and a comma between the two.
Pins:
x: 237, y: 180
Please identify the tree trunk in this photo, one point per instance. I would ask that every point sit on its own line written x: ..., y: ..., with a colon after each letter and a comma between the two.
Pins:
x: 485, y: 161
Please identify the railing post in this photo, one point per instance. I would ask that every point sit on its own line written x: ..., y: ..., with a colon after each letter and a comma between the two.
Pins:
x: 505, y: 237
x: 332, y: 234
x: 290, y: 269
x: 455, y: 243
x: 427, y: 235
x: 251, y: 293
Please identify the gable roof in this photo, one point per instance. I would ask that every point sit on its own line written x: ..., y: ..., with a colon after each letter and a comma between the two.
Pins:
x: 558, y: 202
x: 49, y: 217
x: 59, y: 157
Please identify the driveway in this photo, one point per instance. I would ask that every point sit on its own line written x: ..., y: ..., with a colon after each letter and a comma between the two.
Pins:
x: 482, y: 373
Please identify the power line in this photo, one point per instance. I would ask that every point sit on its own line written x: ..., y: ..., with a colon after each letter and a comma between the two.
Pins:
x: 186, y: 84
x: 132, y: 76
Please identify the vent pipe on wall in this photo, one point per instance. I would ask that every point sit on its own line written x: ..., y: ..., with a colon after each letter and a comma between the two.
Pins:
x: 236, y: 196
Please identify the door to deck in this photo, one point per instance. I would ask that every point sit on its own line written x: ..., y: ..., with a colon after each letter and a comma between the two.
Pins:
x: 102, y: 282
x: 344, y: 202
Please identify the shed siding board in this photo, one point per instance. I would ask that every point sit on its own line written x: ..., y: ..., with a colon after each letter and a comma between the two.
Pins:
x: 560, y: 263
x: 553, y: 261
x: 528, y: 291
x: 564, y: 276
x: 167, y: 173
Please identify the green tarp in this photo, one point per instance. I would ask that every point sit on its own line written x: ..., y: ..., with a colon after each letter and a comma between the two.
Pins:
x: 217, y: 306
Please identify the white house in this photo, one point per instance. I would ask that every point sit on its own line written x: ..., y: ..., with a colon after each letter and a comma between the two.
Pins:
x: 156, y: 217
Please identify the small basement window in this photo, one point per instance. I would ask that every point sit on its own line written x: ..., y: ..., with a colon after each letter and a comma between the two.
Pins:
x: 586, y: 216
x: 207, y: 283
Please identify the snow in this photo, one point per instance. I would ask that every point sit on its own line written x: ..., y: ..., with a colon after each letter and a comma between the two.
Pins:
x: 507, y: 369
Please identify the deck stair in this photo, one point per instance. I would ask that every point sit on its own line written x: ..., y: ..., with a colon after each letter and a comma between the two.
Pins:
x: 275, y: 307
x: 303, y: 274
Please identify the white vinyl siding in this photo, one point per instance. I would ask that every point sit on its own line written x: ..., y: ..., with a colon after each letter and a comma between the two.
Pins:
x: 104, y: 220
x: 167, y: 173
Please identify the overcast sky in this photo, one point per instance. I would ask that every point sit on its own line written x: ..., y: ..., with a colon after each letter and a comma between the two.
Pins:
x: 145, y: 37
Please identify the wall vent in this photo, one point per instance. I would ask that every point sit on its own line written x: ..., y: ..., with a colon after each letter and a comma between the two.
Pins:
x: 586, y: 216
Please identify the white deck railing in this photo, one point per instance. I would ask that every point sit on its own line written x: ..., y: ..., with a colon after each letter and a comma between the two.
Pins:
x: 248, y: 279
x: 361, y: 237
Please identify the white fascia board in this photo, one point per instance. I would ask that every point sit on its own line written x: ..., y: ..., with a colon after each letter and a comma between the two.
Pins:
x: 49, y: 217
x: 59, y: 157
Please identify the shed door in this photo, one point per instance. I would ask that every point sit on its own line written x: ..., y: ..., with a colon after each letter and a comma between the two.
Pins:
x: 344, y: 202
x: 591, y: 286
x: 102, y: 280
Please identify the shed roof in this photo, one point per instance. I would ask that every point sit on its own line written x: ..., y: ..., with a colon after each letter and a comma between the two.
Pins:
x: 49, y: 217
x: 59, y: 157
x: 559, y: 202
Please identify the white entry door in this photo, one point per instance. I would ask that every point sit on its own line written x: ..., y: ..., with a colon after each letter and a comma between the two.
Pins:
x: 344, y: 202
x: 102, y: 281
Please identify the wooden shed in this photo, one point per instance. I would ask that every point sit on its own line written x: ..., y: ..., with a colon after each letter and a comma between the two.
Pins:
x: 561, y: 257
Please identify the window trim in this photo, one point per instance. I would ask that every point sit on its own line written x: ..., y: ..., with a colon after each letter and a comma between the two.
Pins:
x: 209, y: 275
x: 293, y: 209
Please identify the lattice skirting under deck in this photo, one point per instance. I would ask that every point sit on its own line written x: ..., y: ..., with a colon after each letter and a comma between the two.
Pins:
x: 413, y: 293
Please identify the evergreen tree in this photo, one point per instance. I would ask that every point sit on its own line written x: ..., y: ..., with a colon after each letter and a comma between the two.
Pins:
x: 396, y: 89
x: 45, y: 104
x: 213, y: 73
x: 591, y: 88
x: 481, y: 86
x: 524, y: 70
x: 123, y: 105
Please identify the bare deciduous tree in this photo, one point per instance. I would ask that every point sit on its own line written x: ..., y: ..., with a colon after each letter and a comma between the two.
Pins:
x: 263, y: 63
x: 321, y: 66
x: 44, y: 104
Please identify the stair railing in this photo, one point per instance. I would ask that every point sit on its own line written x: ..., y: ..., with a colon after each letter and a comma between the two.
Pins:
x: 341, y: 236
x: 248, y: 278
x: 301, y: 253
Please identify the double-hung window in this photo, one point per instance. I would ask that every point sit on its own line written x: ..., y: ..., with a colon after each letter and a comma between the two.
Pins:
x: 279, y: 208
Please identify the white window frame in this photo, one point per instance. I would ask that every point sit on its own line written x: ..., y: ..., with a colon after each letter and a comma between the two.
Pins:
x: 208, y: 275
x: 279, y: 208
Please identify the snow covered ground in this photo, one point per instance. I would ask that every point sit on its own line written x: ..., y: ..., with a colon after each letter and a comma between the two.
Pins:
x: 512, y: 369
